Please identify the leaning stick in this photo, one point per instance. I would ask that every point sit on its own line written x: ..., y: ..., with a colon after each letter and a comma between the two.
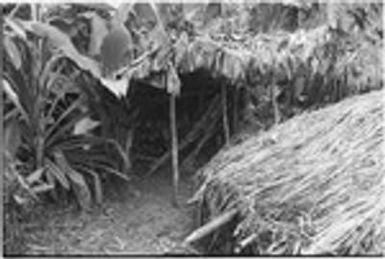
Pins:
x: 191, y: 137
x: 210, y: 226
x: 174, y: 148
x: 209, y: 132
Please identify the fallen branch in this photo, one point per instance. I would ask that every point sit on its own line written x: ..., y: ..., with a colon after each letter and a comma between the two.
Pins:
x: 210, y: 226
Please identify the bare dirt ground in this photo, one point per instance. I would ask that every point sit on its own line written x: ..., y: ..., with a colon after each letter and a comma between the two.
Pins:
x: 138, y: 219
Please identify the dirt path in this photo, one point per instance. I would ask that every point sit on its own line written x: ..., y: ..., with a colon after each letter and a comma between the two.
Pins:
x: 139, y: 221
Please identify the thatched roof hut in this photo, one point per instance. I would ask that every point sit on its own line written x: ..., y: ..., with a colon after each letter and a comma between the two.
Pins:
x: 276, y: 54
x: 320, y: 64
x: 312, y: 185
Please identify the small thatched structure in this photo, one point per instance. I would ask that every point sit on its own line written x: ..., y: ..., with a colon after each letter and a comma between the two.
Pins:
x: 239, y: 63
x: 312, y: 185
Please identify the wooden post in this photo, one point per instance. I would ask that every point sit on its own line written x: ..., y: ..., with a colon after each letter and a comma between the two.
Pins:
x: 174, y: 148
x: 235, y: 109
x: 275, y: 103
x: 274, y: 89
x: 224, y: 113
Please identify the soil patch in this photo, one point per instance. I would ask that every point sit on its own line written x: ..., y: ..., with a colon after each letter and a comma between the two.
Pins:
x: 138, y: 218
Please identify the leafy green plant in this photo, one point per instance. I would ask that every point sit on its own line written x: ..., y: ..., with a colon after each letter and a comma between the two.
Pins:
x: 44, y: 107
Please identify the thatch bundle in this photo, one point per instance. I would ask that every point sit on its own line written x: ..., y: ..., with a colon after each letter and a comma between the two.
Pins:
x: 229, y: 58
x: 312, y: 185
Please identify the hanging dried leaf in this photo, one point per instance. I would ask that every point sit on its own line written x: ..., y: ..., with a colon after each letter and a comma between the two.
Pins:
x: 173, y: 81
x: 161, y: 58
x: 232, y: 67
x: 188, y: 64
x: 238, y: 73
x: 180, y: 47
x: 203, y: 54
x: 159, y: 38
x: 218, y: 63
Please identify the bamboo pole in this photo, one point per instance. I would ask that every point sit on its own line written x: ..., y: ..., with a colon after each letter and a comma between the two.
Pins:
x: 174, y: 148
x: 225, y: 118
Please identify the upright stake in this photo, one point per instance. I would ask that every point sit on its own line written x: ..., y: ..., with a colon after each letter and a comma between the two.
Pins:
x: 174, y: 147
x: 235, y: 110
x: 224, y: 112
x: 274, y: 96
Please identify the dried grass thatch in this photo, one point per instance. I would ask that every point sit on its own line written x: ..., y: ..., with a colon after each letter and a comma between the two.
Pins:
x: 312, y: 185
x: 287, y: 55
